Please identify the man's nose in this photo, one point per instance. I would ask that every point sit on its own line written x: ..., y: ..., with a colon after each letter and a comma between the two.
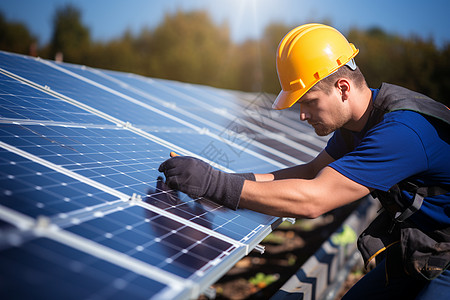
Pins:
x: 304, y: 115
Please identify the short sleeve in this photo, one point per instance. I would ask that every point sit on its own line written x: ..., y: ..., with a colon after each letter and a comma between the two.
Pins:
x: 389, y: 153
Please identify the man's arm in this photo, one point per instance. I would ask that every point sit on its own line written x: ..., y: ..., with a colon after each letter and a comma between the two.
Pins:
x: 308, y: 198
x: 305, y: 171
x: 320, y: 190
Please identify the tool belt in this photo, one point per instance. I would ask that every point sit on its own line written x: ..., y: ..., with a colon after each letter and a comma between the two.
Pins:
x: 423, y: 255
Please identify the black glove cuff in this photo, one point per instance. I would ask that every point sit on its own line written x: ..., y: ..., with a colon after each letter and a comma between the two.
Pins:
x: 247, y: 176
x: 226, y: 190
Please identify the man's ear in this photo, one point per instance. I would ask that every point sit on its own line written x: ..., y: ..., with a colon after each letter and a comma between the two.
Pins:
x: 344, y: 86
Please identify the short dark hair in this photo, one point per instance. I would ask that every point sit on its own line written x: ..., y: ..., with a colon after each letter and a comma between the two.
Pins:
x: 327, y: 83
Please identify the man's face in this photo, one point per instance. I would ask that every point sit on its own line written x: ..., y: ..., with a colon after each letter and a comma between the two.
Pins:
x: 325, y: 112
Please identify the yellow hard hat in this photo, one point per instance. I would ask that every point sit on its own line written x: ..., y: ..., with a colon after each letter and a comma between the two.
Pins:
x: 306, y: 55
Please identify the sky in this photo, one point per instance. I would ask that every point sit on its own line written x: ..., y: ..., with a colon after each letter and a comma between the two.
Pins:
x: 108, y: 19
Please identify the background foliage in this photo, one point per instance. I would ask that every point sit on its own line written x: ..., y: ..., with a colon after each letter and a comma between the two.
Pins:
x: 190, y: 47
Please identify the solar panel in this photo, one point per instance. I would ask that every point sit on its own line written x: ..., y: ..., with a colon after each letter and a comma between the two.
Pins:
x: 22, y: 102
x: 34, y: 190
x: 29, y: 268
x: 84, y: 213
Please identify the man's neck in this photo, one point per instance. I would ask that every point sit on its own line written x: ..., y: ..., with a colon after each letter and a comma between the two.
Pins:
x: 361, y: 109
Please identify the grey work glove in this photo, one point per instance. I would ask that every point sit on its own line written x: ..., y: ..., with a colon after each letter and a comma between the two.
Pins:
x: 197, y: 178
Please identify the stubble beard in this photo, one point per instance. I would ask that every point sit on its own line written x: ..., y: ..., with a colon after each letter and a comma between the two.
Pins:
x: 322, y: 129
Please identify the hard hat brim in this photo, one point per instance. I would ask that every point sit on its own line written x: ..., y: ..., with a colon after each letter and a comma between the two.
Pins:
x: 286, y: 99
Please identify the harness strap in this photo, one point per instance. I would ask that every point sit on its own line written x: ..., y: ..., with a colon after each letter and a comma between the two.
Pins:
x: 410, y: 210
x: 419, y: 192
x: 425, y: 191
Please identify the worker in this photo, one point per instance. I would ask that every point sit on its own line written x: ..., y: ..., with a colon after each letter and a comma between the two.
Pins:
x: 390, y: 141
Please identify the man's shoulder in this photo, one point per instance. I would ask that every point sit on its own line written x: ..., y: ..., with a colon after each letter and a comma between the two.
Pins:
x: 416, y: 121
x: 394, y: 98
x: 413, y: 130
x: 404, y: 116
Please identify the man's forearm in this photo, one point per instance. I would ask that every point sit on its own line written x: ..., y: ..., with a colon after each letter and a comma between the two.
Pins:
x: 283, y: 198
x: 306, y: 198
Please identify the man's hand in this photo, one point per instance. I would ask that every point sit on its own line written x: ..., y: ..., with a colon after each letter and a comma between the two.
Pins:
x: 197, y: 178
x: 188, y: 174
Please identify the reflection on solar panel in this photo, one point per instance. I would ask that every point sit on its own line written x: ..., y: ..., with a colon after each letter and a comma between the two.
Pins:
x: 84, y: 212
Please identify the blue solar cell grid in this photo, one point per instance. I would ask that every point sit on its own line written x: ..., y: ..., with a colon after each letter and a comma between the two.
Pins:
x: 45, y: 269
x: 115, y: 158
x: 35, y: 190
x: 154, y: 239
x: 22, y: 102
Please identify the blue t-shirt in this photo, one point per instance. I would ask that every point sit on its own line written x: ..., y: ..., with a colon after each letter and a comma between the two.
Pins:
x: 405, y: 144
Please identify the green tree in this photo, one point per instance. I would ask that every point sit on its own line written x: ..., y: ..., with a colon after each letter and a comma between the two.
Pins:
x: 249, y: 66
x: 410, y: 62
x: 15, y: 37
x: 441, y: 75
x: 118, y: 54
x: 188, y: 47
x: 70, y: 36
